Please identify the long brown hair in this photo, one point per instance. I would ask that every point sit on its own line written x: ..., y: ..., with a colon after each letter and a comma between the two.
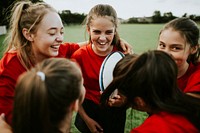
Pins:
x: 152, y: 76
x: 43, y: 96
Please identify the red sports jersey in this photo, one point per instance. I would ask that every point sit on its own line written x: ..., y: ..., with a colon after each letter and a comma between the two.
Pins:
x: 164, y: 122
x: 90, y: 64
x: 11, y: 68
x: 190, y: 81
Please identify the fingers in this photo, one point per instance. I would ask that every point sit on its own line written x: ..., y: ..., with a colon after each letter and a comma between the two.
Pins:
x: 129, y: 50
x: 101, y: 92
x: 118, y: 101
x: 124, y: 48
x: 98, y: 129
x: 2, y: 116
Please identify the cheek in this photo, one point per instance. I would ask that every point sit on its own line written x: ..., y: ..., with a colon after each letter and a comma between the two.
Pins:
x: 180, y: 58
x: 83, y: 91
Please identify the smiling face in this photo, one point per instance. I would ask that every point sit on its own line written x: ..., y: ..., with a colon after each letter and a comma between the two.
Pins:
x: 171, y: 42
x: 101, y: 31
x: 46, y: 41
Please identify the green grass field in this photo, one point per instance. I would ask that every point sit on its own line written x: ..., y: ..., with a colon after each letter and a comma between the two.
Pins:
x: 141, y: 36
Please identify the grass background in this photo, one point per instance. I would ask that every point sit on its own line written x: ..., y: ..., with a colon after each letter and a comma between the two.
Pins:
x: 142, y: 37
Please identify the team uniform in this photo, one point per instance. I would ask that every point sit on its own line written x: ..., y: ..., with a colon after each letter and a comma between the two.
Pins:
x: 164, y: 122
x: 108, y: 118
x: 190, y: 81
x: 11, y: 68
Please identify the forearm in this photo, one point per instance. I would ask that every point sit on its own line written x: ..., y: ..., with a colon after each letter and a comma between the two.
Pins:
x: 82, y: 113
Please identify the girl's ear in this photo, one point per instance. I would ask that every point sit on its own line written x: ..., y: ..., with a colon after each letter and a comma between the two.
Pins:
x: 194, y: 49
x: 75, y: 105
x: 88, y: 30
x: 140, y: 104
x: 27, y: 34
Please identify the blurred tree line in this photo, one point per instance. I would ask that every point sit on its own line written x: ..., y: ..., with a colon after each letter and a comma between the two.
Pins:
x: 158, y: 18
x: 5, y: 10
x: 71, y: 18
x: 76, y: 18
x: 66, y: 15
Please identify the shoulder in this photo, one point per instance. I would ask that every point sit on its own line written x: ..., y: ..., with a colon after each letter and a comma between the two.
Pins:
x: 193, y: 72
x: 67, y: 49
x: 9, y: 59
x: 82, y: 51
x: 10, y: 66
x: 167, y: 123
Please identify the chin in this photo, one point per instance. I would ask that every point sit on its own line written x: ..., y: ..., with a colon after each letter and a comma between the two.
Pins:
x: 54, y: 54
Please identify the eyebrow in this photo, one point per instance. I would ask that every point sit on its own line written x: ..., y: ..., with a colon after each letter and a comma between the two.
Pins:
x: 177, y: 45
x: 174, y: 44
x: 54, y: 28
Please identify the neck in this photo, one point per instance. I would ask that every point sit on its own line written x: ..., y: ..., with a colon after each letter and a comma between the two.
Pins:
x: 102, y: 53
x: 37, y: 58
x: 66, y: 123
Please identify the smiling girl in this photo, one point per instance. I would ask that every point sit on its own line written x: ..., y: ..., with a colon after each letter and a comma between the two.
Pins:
x: 180, y: 39
x: 36, y: 33
x: 101, y: 24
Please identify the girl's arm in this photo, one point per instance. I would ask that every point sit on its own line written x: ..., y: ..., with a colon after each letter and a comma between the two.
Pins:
x: 4, y: 127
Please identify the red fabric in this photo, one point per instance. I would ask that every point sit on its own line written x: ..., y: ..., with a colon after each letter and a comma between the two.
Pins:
x: 67, y: 49
x: 190, y: 81
x: 90, y: 64
x: 164, y: 122
x: 11, y: 68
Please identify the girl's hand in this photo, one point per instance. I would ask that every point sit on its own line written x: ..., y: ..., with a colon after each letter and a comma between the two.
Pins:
x: 126, y: 47
x: 117, y: 100
x: 4, y: 127
x: 94, y: 126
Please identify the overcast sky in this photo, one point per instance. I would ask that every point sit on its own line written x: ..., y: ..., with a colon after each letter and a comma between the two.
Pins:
x: 131, y: 8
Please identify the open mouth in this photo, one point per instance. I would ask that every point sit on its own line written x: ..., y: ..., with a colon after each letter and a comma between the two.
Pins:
x: 55, y: 46
x: 102, y: 43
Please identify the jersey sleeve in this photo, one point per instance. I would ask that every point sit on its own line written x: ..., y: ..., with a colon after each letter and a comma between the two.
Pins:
x: 10, y: 70
x: 67, y: 49
x: 193, y: 84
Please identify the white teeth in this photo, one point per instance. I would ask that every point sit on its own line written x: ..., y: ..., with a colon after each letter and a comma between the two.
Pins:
x: 102, y: 43
x: 56, y: 47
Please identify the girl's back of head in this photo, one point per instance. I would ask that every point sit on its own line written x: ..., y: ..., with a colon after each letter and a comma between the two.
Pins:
x: 152, y: 77
x: 44, y: 94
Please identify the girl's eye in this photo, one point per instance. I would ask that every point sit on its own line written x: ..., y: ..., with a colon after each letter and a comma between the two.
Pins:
x: 62, y: 32
x: 109, y: 32
x: 161, y: 45
x: 51, y: 33
x: 176, y: 48
x: 96, y: 32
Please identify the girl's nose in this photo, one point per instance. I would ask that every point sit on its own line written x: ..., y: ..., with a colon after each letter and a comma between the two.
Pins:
x: 102, y: 37
x: 60, y: 38
x: 166, y: 50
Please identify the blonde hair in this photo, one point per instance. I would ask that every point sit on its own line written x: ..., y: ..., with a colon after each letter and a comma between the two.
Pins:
x: 27, y: 15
